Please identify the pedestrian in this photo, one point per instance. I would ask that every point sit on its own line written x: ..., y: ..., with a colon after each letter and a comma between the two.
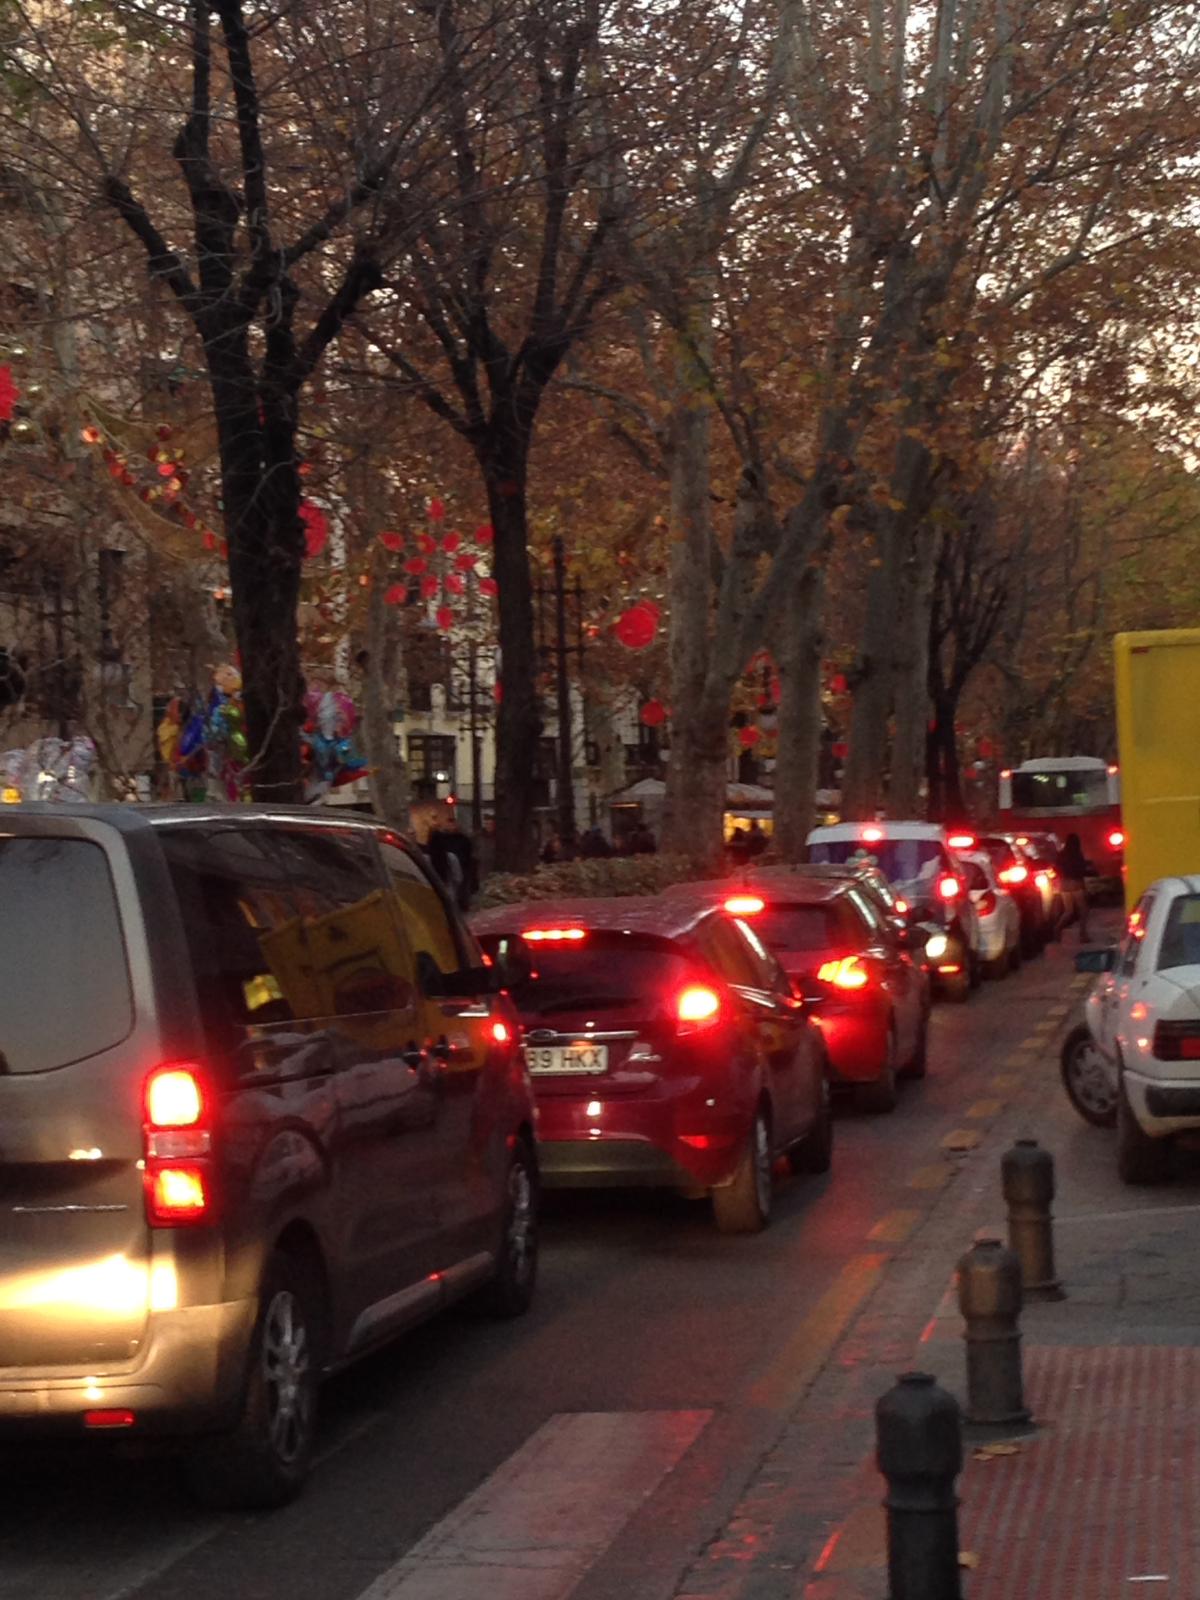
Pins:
x: 643, y: 842
x: 739, y: 846
x: 756, y: 839
x: 594, y: 846
x: 452, y: 856
x: 552, y: 850
x: 1072, y: 872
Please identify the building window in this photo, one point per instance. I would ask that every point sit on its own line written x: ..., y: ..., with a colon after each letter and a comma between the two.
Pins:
x: 431, y: 763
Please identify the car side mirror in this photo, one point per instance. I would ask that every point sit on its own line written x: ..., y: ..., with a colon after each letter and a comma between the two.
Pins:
x: 1100, y: 958
x: 463, y: 984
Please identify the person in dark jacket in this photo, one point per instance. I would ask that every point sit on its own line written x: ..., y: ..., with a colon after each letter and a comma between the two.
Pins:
x: 452, y: 856
x: 594, y: 846
x: 1072, y: 868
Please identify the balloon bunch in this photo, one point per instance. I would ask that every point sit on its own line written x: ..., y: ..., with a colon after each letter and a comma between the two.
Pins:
x: 330, y: 755
x: 207, y: 748
x: 49, y: 769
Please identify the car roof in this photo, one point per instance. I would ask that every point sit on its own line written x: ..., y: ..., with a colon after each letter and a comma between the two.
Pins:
x: 837, y: 831
x: 663, y: 916
x: 130, y: 817
x: 786, y: 884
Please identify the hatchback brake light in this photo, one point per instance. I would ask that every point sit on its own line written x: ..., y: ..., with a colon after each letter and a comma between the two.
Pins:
x: 961, y: 841
x: 872, y: 835
x: 744, y: 905
x: 846, y: 973
x: 554, y: 935
x: 177, y: 1142
x: 949, y: 887
x: 698, y: 1006
x: 1013, y: 874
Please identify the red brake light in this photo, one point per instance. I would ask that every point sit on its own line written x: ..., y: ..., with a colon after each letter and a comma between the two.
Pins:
x: 117, y: 1418
x: 1043, y: 879
x: 744, y: 905
x: 698, y: 1006
x: 949, y: 887
x: 500, y: 1032
x: 1116, y: 838
x: 554, y: 935
x: 961, y: 841
x: 872, y: 835
x: 846, y: 973
x: 177, y: 1138
x: 1017, y: 874
x: 902, y: 908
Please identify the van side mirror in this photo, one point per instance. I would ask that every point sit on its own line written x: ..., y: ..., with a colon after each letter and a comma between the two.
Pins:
x: 1100, y: 958
x: 463, y: 984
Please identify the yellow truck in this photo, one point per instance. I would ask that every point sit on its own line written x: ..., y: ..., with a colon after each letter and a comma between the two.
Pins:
x: 1158, y: 730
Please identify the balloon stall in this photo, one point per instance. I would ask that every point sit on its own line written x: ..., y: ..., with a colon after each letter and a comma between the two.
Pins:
x: 330, y: 755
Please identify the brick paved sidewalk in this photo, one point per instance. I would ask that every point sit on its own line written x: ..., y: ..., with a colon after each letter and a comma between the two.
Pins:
x: 1103, y: 1499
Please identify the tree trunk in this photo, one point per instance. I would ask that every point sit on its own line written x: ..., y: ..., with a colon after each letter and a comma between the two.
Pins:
x: 910, y: 670
x: 505, y: 460
x: 801, y: 638
x: 693, y: 821
x: 384, y: 689
x: 261, y: 490
x: 862, y: 779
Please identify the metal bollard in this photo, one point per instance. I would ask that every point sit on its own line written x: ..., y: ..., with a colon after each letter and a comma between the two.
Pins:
x: 918, y: 1434
x: 989, y: 1297
x: 1027, y: 1173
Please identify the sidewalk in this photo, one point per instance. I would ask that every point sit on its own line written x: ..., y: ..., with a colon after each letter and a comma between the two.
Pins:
x: 1103, y: 1498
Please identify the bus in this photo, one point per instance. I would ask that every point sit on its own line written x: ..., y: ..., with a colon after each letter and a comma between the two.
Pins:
x: 1068, y: 794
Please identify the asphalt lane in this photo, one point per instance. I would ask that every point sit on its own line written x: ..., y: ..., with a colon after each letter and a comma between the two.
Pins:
x: 642, y: 1307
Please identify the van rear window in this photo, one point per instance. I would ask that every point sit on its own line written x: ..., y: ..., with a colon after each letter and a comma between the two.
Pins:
x: 64, y: 982
x: 604, y: 971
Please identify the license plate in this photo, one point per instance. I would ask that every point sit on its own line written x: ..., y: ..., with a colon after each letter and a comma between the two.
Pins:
x: 580, y: 1059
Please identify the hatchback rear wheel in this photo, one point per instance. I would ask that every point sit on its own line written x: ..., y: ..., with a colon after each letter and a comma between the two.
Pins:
x: 744, y: 1205
x: 264, y: 1460
x: 814, y: 1153
x: 880, y: 1097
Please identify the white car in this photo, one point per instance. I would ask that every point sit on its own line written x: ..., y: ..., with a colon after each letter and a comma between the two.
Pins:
x: 997, y: 912
x: 1143, y: 1024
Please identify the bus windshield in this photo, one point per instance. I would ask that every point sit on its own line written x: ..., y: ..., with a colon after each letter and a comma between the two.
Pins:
x: 1084, y: 790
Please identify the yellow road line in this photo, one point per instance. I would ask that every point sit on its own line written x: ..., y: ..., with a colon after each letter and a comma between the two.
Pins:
x: 894, y: 1228
x: 961, y: 1139
x: 1004, y: 1080
x: 784, y: 1381
x: 930, y: 1177
x: 984, y: 1108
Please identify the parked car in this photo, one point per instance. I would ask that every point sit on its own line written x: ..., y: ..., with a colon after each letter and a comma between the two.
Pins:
x: 667, y: 1049
x: 999, y: 918
x: 1017, y: 874
x: 262, y: 1107
x: 844, y: 953
x: 1143, y: 1015
x: 923, y: 870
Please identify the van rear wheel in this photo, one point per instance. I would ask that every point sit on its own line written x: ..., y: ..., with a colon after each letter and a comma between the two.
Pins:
x: 263, y: 1461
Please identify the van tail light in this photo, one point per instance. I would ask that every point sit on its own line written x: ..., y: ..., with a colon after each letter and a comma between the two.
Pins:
x: 177, y: 1145
x: 1013, y: 875
x: 1116, y: 838
x: 901, y: 908
x: 697, y: 1007
x: 118, y: 1417
x: 846, y: 973
x: 949, y: 887
x: 961, y: 841
x: 986, y: 903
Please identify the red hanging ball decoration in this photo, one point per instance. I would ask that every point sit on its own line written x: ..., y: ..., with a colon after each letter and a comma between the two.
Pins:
x: 749, y: 737
x: 416, y: 565
x: 316, y: 525
x: 653, y: 714
x: 392, y: 541
x: 444, y: 617
x: 436, y: 511
x: 452, y: 541
x: 840, y: 750
x: 465, y: 562
x: 396, y: 595
x: 429, y: 587
x: 636, y: 628
x: 485, y: 533
x: 838, y: 683
x: 489, y: 586
x: 455, y: 583
x: 426, y: 544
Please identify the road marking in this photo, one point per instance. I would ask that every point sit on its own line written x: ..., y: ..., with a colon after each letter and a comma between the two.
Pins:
x: 532, y: 1529
x: 930, y: 1177
x: 984, y: 1108
x: 806, y: 1352
x: 961, y: 1139
x: 894, y: 1228
x: 1004, y: 1080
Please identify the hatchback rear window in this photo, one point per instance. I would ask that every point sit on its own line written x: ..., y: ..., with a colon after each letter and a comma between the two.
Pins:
x: 795, y: 929
x: 64, y: 982
x: 900, y: 860
x: 598, y: 972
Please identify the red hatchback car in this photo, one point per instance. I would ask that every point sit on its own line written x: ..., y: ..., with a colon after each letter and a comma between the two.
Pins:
x: 666, y: 1047
x: 840, y: 947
